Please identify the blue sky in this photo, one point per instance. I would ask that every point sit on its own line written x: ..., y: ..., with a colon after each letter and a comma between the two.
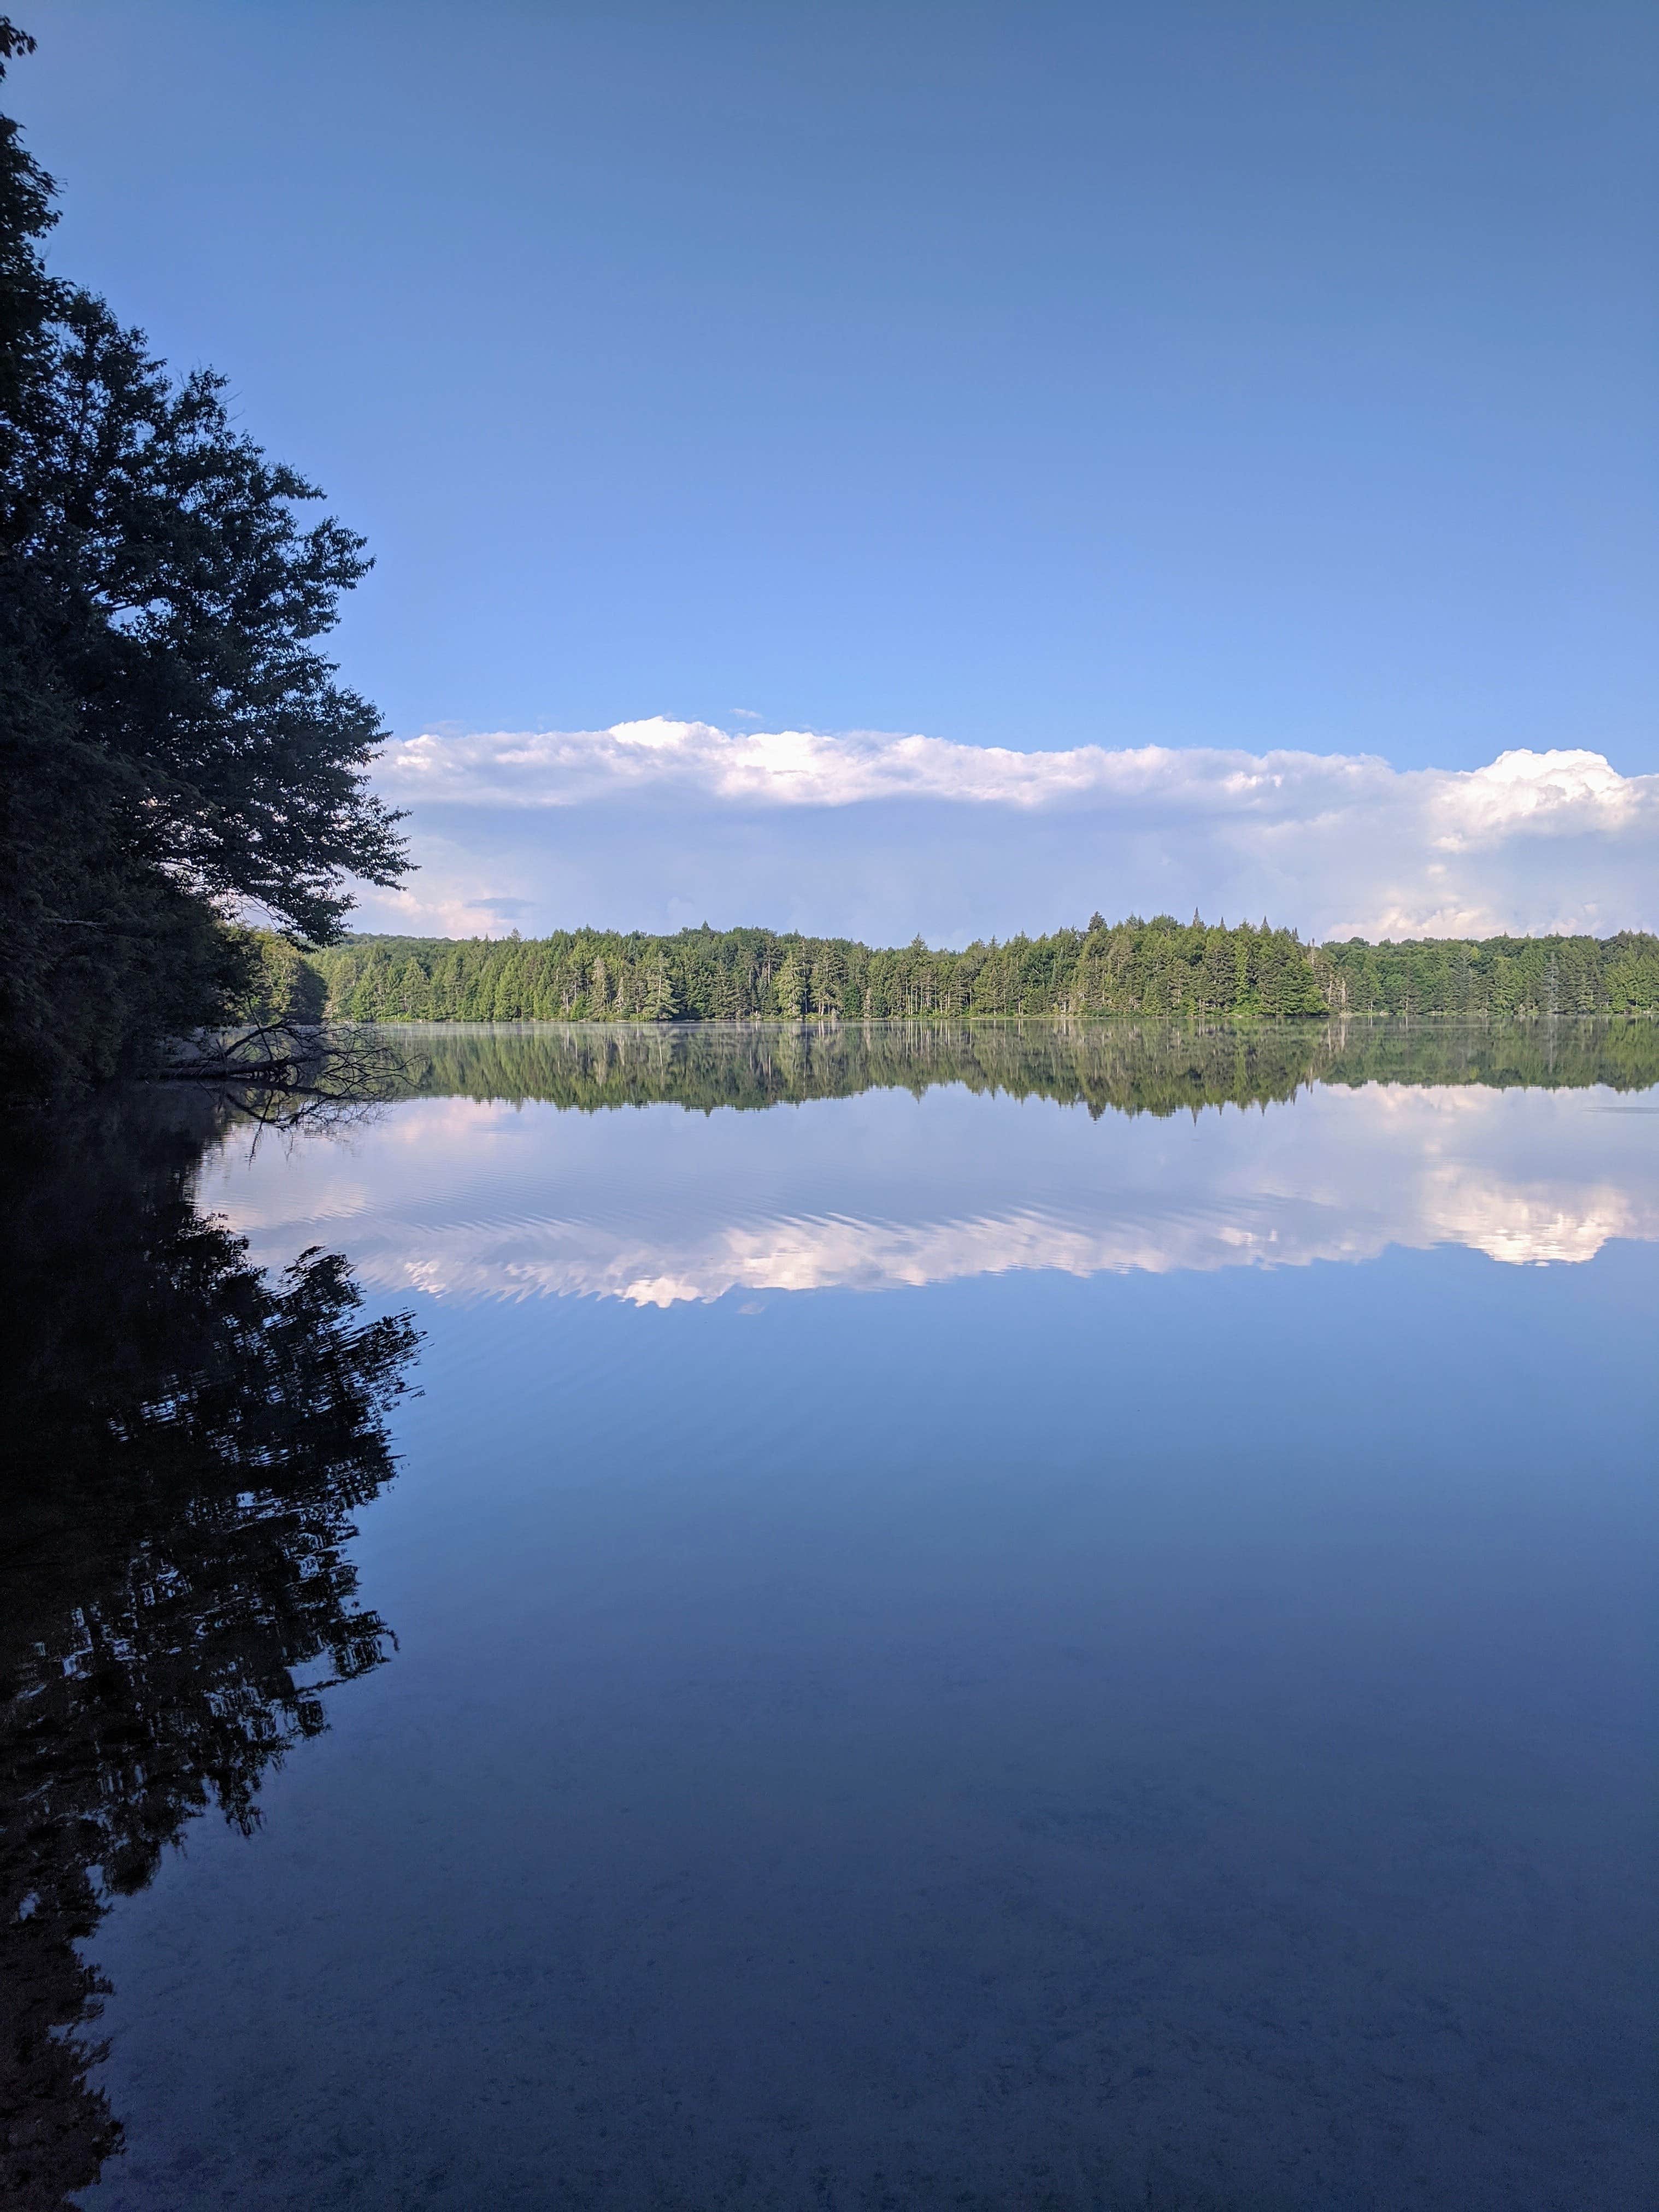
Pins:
x: 1249, y: 377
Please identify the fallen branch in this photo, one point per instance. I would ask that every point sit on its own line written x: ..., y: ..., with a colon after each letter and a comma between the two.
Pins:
x: 283, y: 1074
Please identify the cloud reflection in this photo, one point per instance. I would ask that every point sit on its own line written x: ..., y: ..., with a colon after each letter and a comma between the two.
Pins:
x: 463, y: 1199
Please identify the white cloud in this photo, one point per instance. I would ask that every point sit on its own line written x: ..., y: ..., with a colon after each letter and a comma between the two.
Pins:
x: 463, y: 1199
x: 654, y: 823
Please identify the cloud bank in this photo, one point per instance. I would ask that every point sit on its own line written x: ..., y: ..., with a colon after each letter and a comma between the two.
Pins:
x: 655, y: 824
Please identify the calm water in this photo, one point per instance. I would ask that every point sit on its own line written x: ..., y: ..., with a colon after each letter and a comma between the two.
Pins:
x: 1029, y: 1620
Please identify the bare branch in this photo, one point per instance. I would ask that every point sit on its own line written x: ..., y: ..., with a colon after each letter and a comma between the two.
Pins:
x: 281, y: 1075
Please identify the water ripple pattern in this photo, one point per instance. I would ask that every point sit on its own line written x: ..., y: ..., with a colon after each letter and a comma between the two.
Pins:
x: 472, y: 1199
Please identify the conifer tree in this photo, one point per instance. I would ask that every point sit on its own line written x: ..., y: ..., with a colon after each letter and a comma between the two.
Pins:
x: 173, y: 745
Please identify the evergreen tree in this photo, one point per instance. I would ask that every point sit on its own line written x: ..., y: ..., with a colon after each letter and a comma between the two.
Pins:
x: 172, y: 744
x: 1159, y: 968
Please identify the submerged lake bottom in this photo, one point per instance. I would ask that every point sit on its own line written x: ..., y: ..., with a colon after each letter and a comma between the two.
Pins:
x: 767, y: 1620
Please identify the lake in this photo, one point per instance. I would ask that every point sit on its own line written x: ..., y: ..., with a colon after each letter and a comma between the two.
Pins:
x: 1027, y: 1617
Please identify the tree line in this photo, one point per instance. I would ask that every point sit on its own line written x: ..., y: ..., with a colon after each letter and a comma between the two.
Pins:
x: 1161, y: 968
x: 1504, y: 977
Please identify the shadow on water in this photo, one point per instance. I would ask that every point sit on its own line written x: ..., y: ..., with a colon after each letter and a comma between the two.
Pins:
x: 188, y: 1438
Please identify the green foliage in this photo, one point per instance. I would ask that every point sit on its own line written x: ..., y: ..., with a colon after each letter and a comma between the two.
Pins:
x: 172, y: 742
x: 1160, y: 969
x: 282, y: 985
x: 1504, y: 977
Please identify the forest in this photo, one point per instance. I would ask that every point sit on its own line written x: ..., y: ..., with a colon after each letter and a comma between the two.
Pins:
x: 1501, y: 977
x: 1162, y: 969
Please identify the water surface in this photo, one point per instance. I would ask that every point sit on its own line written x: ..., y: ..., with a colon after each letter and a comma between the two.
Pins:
x: 1031, y: 1618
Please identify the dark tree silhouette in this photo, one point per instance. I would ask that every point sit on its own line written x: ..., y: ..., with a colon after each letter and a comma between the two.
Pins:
x: 172, y: 742
x: 188, y: 1440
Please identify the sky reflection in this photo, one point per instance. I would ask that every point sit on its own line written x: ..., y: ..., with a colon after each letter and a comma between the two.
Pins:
x: 464, y: 1199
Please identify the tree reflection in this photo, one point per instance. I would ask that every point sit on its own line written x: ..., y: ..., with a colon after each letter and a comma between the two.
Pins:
x: 1123, y: 1067
x: 187, y: 1440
